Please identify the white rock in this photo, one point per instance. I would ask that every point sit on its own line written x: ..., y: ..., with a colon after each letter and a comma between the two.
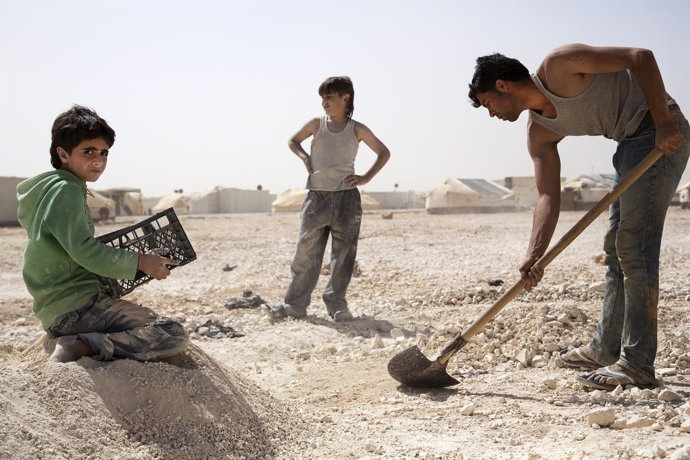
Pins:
x: 619, y: 424
x: 468, y: 409
x: 658, y: 452
x: 667, y: 371
x: 538, y: 361
x: 685, y: 426
x: 397, y: 332
x: 551, y: 347
x: 685, y: 408
x: 551, y: 383
x: 618, y: 390
x: 602, y: 417
x: 669, y: 396
x: 524, y: 357
x: 599, y: 395
x: 377, y: 342
x: 646, y: 393
x: 639, y: 422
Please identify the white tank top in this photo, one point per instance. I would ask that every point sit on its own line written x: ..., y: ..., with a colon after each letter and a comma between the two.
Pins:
x: 332, y: 157
x: 611, y: 106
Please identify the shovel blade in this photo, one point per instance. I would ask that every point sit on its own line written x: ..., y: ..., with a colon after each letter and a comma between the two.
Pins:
x: 410, y: 367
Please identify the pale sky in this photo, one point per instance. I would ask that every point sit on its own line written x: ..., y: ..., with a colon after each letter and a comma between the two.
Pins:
x: 207, y: 93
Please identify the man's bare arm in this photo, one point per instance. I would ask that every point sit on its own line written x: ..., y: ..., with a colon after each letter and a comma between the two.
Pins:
x: 542, y: 145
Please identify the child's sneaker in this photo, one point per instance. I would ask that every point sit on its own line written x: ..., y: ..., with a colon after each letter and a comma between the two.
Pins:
x: 342, y: 315
x: 281, y: 311
x: 276, y: 312
x: 294, y: 312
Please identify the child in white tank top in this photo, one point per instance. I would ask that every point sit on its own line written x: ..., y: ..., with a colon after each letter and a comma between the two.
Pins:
x: 332, y: 206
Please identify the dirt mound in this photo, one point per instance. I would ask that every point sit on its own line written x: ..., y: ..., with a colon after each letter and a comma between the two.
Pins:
x: 192, y: 408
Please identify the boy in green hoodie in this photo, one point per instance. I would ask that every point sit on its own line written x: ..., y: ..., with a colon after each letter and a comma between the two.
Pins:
x: 63, y: 262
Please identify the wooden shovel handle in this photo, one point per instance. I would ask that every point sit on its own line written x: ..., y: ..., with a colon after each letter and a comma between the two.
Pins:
x: 551, y: 254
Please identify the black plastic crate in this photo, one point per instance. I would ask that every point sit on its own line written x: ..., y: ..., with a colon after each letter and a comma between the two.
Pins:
x: 162, y: 230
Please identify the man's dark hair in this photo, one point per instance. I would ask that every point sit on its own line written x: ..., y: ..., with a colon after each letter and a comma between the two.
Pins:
x: 491, y: 68
x: 76, y: 125
x: 340, y: 85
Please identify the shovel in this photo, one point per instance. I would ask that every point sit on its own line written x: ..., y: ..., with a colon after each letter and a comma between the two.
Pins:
x: 410, y: 367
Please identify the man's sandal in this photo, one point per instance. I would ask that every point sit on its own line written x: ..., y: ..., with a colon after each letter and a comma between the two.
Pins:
x: 619, y: 377
x: 576, y: 359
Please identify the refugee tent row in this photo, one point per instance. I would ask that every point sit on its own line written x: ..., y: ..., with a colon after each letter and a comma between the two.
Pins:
x: 470, y: 196
x: 229, y: 200
x: 458, y: 195
x: 217, y: 200
x: 454, y: 195
x: 291, y: 201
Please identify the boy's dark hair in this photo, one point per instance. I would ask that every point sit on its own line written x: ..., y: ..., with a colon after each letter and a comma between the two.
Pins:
x: 340, y: 85
x: 491, y: 68
x: 74, y: 126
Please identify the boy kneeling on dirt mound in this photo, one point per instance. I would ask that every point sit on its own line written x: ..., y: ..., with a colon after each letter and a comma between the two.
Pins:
x: 64, y: 263
x: 333, y: 204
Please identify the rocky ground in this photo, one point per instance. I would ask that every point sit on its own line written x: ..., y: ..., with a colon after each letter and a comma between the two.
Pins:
x: 312, y: 388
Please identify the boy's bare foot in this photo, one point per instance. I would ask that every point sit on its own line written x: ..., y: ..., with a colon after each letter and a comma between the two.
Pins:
x: 69, y: 348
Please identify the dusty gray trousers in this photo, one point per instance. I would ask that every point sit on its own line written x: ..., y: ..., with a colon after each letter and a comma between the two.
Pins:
x: 116, y: 328
x: 338, y: 214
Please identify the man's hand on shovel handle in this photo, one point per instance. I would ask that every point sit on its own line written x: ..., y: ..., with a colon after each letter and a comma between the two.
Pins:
x: 530, y: 273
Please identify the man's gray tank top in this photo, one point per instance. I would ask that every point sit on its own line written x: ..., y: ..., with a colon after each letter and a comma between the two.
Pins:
x: 612, y: 106
x: 332, y: 157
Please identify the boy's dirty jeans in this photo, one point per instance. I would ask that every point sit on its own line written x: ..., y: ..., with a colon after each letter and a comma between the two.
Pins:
x: 627, y: 330
x: 340, y: 215
x: 115, y: 328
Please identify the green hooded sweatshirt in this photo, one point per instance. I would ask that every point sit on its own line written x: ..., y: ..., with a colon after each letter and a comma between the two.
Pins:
x: 62, y: 259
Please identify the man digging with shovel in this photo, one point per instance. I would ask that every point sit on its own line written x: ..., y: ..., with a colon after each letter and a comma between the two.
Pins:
x: 617, y: 93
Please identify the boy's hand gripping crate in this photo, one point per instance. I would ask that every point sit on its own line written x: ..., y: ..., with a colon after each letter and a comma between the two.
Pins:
x: 162, y: 230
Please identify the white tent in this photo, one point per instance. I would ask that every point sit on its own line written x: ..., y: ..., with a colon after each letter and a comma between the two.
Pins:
x: 178, y: 201
x: 369, y: 203
x: 100, y: 206
x: 230, y: 200
x: 291, y: 201
x: 585, y: 191
x: 470, y: 195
